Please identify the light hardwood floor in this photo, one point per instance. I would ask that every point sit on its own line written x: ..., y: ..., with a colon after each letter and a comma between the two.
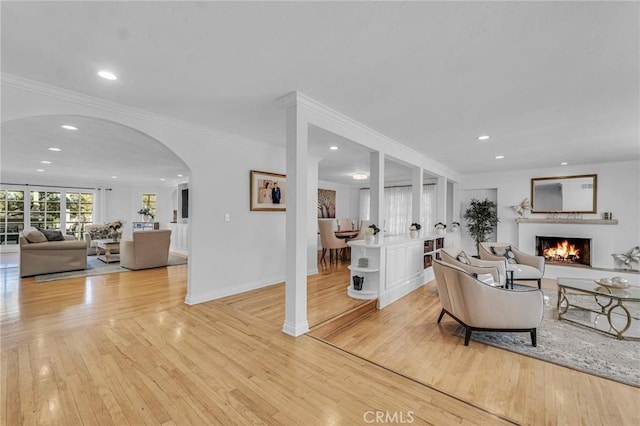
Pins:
x: 125, y: 349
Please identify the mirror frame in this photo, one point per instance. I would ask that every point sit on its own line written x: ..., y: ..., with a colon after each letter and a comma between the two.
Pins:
x: 594, y: 203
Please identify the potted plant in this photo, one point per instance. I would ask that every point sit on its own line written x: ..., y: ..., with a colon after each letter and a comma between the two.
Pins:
x: 114, y: 229
x: 414, y: 230
x: 370, y: 233
x: 482, y: 220
x: 147, y: 213
x: 455, y: 226
x: 440, y: 227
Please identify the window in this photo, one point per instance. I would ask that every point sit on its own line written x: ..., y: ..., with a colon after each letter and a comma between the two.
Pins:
x: 11, y: 216
x: 44, y: 209
x: 79, y: 212
x: 398, y: 209
x: 149, y: 200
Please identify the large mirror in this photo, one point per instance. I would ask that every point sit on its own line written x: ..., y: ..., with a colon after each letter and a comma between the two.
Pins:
x: 564, y: 194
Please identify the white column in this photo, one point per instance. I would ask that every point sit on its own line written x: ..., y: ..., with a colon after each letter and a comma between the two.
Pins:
x: 416, y: 194
x: 295, y: 317
x: 376, y: 178
x: 441, y: 190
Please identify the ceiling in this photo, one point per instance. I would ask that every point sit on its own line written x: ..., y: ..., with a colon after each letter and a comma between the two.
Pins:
x: 548, y: 81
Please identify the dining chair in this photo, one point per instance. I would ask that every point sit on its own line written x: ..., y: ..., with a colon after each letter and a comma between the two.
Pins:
x: 345, y: 224
x: 329, y: 241
x: 363, y: 225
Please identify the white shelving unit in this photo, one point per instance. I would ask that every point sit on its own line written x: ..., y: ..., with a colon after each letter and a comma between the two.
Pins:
x: 371, y: 273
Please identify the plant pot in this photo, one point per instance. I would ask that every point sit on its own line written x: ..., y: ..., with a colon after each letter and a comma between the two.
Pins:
x: 414, y: 233
x: 369, y: 239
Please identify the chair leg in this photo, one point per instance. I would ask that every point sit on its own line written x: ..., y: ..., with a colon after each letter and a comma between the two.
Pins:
x: 467, y: 336
x: 324, y: 253
x: 441, y: 315
x: 534, y: 341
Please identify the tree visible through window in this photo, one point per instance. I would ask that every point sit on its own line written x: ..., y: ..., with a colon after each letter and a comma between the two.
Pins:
x: 79, y: 212
x: 11, y: 216
x: 44, y: 209
x: 149, y: 200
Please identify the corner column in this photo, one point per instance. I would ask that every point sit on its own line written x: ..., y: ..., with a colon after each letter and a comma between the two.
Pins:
x: 416, y: 194
x: 376, y: 178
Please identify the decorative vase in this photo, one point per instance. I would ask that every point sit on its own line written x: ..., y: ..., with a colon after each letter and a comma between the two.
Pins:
x: 358, y: 282
x: 369, y: 239
x: 414, y: 233
x: 440, y: 231
x: 115, y: 235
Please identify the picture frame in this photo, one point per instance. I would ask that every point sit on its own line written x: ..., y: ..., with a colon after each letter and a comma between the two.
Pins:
x: 268, y: 191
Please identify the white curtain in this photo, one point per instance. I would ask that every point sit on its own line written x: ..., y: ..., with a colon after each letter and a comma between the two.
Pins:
x: 397, y: 208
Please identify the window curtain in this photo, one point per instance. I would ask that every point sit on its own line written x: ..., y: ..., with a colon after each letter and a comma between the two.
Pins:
x: 397, y: 208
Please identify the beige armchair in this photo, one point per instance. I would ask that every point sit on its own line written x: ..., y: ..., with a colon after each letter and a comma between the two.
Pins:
x: 364, y: 224
x: 480, y: 307
x: 527, y: 267
x: 491, y: 272
x: 328, y: 240
x: 148, y: 249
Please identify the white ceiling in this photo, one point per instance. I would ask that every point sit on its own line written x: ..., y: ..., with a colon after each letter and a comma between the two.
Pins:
x: 549, y: 81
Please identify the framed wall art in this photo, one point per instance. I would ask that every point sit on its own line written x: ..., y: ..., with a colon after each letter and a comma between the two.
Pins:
x: 268, y: 191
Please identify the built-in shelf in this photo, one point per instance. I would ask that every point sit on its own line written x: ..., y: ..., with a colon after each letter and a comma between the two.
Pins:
x: 571, y: 221
x: 359, y: 269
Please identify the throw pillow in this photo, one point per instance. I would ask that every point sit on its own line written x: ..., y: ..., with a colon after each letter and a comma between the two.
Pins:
x: 506, y: 252
x: 99, y: 233
x: 462, y: 258
x: 34, y: 236
x: 52, y: 235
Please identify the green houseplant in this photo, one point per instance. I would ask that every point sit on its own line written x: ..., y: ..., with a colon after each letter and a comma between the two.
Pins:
x: 482, y: 220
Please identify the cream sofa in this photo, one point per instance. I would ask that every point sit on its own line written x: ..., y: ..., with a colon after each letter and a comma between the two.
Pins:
x: 46, y: 257
x: 148, y: 249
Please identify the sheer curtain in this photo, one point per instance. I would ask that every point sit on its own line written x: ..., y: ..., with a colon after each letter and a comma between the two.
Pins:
x: 397, y: 204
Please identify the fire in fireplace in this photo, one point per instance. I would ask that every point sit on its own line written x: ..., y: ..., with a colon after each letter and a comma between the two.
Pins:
x: 564, y: 250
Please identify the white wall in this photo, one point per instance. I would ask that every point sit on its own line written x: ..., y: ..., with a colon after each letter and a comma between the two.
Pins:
x: 618, y: 192
x: 224, y: 257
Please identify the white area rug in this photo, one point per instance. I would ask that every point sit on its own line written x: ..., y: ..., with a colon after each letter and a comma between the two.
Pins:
x: 572, y: 346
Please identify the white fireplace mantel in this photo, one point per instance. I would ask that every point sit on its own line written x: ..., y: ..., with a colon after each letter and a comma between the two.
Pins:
x: 568, y: 221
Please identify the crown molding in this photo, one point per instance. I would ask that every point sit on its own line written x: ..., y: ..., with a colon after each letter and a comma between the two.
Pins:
x: 21, y: 83
x: 367, y: 133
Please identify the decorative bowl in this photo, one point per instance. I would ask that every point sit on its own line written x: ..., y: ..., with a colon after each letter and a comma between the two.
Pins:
x: 609, y: 283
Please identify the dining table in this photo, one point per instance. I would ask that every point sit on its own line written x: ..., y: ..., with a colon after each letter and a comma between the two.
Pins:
x: 346, y: 234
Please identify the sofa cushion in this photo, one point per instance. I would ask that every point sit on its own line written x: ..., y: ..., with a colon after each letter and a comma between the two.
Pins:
x: 52, y: 235
x: 506, y: 252
x: 34, y: 236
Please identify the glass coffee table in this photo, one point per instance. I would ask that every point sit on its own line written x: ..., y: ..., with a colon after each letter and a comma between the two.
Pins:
x: 611, y: 310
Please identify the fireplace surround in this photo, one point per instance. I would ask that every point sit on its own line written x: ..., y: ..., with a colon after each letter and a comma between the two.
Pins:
x: 564, y: 250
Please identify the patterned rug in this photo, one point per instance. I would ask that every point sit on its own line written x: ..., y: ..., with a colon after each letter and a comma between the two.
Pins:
x: 98, y: 267
x: 572, y: 346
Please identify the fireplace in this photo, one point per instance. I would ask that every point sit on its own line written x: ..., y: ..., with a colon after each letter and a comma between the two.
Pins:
x: 564, y: 250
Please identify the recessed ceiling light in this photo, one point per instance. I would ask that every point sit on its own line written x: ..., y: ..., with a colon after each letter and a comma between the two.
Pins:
x: 162, y: 179
x: 499, y: 157
x: 114, y: 177
x: 39, y: 170
x: 179, y: 175
x: 483, y: 137
x: 45, y: 162
x: 69, y: 127
x: 360, y: 176
x: 54, y: 149
x: 108, y: 75
x: 333, y: 148
x: 564, y: 163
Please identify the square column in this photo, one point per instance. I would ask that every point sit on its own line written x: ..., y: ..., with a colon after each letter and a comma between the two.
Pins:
x: 295, y: 316
x: 376, y: 178
x: 417, y: 181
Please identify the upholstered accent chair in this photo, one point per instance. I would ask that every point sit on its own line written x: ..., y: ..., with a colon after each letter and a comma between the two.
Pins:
x: 491, y: 272
x: 525, y: 267
x: 345, y: 224
x: 329, y: 241
x: 481, y: 307
x: 96, y: 231
x: 147, y: 249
